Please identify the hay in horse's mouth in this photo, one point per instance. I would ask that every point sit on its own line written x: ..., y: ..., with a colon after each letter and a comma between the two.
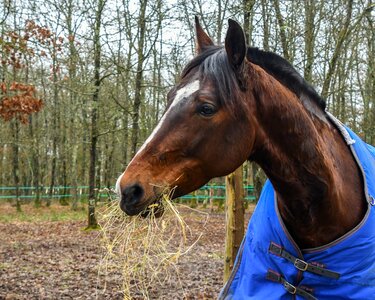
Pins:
x: 144, y: 248
x: 155, y: 209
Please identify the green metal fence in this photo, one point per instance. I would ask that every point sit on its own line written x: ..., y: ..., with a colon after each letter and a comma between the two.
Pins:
x: 81, y: 192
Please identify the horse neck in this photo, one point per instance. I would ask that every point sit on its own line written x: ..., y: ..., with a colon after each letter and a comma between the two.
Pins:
x: 317, y: 182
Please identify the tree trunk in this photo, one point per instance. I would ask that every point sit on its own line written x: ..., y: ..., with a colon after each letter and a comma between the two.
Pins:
x: 92, y: 223
x: 72, y: 67
x: 139, y: 76
x: 16, y: 169
x: 309, y: 38
x: 283, y: 37
x: 266, y: 25
x: 336, y: 53
x: 35, y: 159
x: 55, y: 129
x: 369, y: 90
x: 248, y: 6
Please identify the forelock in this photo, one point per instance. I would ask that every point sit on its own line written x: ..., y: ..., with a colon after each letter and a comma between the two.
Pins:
x: 213, y: 64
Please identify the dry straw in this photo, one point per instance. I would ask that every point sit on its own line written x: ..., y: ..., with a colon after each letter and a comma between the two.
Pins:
x: 145, y: 250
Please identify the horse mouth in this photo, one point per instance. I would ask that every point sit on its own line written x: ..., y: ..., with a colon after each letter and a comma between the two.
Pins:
x: 153, y: 209
x: 156, y: 209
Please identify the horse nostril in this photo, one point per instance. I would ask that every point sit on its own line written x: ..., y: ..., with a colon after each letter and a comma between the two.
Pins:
x: 132, y: 194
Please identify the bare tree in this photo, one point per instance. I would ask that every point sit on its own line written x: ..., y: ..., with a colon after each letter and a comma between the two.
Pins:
x: 100, y: 4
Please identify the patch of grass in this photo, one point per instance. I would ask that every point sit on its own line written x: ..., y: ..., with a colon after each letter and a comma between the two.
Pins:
x: 92, y: 228
x: 29, y: 213
x: 4, y: 266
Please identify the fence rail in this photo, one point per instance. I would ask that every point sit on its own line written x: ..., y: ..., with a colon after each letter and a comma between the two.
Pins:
x: 81, y: 192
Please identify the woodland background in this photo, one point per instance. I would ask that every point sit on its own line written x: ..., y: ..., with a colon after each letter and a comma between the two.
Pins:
x: 83, y: 83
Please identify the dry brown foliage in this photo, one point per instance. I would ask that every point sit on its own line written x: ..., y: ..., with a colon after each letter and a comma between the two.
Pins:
x: 18, y: 101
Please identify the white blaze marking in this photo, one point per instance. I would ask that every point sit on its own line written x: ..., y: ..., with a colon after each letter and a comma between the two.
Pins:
x: 182, y: 93
x: 117, y: 187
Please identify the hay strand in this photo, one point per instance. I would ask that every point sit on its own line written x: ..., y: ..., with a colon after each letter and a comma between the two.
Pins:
x: 145, y: 250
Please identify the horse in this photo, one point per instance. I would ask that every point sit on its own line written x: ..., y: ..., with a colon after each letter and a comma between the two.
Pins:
x: 235, y: 103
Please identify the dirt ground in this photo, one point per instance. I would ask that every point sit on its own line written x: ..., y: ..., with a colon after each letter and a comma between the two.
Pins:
x: 59, y: 260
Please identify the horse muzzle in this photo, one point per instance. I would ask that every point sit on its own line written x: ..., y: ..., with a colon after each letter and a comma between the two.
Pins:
x: 135, y: 200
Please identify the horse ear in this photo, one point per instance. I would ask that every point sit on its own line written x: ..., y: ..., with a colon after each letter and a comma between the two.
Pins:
x: 203, y: 40
x: 235, y: 44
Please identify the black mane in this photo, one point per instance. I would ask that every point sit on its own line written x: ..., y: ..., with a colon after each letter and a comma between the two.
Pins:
x: 285, y: 73
x: 213, y: 62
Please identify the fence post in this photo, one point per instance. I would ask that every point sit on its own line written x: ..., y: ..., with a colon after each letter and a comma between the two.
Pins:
x: 234, y: 219
x: 211, y: 194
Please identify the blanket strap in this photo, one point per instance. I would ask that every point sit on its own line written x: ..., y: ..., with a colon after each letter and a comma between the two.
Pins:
x: 301, y: 264
x: 276, y: 277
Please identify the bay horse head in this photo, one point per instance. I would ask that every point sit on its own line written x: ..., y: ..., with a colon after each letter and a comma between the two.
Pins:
x: 198, y: 136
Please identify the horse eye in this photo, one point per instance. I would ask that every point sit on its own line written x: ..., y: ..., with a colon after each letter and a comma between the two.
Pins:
x: 207, y: 109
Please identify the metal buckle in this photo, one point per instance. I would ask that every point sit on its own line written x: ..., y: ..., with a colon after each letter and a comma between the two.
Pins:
x: 290, y: 287
x: 300, y: 264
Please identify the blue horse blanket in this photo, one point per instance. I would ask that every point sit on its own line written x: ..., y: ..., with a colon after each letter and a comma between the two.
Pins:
x: 269, y: 264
